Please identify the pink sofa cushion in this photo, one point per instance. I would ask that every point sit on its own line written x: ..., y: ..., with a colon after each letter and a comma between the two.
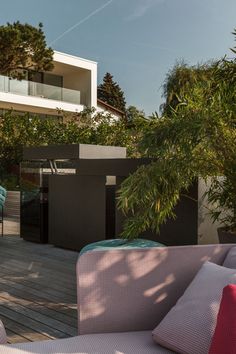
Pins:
x: 224, y: 339
x: 3, y: 336
x: 104, y: 343
x: 189, y: 326
x: 230, y: 260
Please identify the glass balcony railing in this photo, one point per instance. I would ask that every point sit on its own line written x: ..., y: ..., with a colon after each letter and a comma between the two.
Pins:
x: 36, y: 89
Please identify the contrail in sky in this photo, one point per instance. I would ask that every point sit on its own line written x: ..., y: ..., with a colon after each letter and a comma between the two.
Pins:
x: 82, y: 21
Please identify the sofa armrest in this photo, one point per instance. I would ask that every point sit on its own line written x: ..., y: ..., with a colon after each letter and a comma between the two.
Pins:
x: 131, y: 290
x: 3, y: 335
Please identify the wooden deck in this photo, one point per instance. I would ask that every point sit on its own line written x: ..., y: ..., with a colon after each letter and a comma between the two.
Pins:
x: 37, y: 290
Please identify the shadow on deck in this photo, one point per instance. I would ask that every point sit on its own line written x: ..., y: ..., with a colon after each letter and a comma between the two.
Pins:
x: 37, y: 290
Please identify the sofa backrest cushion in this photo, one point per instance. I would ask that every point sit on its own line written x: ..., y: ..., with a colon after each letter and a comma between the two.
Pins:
x: 189, y: 326
x: 136, y: 287
x: 224, y: 339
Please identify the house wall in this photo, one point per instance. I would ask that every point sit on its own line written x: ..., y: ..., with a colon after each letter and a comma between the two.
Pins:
x: 80, y: 81
x: 113, y: 115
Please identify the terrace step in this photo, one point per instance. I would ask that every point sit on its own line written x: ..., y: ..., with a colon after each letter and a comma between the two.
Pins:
x: 12, y: 205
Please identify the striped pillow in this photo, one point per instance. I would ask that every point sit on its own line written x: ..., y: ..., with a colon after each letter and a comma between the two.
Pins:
x: 189, y: 326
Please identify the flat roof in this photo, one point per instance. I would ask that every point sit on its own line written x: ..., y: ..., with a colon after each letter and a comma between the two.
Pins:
x: 69, y: 57
x: 73, y: 151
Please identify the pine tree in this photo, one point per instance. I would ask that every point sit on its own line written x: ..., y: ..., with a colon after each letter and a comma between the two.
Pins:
x: 23, y: 46
x: 110, y: 92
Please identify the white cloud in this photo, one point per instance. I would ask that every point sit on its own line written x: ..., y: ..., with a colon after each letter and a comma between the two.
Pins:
x: 142, y: 7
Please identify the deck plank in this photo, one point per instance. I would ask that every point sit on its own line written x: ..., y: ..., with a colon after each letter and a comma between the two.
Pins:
x: 62, y: 317
x: 32, y: 266
x: 37, y: 290
x: 43, y: 258
x: 26, y: 295
x: 36, y: 315
x: 37, y: 326
x: 14, y: 338
x: 21, y: 331
x: 34, y: 282
x: 61, y: 298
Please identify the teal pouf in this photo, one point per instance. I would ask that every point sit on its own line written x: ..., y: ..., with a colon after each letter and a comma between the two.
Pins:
x: 118, y: 243
x: 3, y: 191
x: 2, y: 199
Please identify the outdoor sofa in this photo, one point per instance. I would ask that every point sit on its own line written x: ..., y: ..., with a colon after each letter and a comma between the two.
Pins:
x: 124, y: 294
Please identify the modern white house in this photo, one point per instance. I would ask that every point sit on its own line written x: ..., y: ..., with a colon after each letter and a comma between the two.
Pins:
x: 70, y: 86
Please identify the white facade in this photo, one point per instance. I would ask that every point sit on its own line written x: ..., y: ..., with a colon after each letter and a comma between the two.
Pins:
x: 77, y: 89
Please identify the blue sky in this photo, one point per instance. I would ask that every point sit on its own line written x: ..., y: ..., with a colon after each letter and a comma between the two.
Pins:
x: 137, y: 41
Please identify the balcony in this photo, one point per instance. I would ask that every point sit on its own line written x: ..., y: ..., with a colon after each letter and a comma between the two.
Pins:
x: 36, y: 89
